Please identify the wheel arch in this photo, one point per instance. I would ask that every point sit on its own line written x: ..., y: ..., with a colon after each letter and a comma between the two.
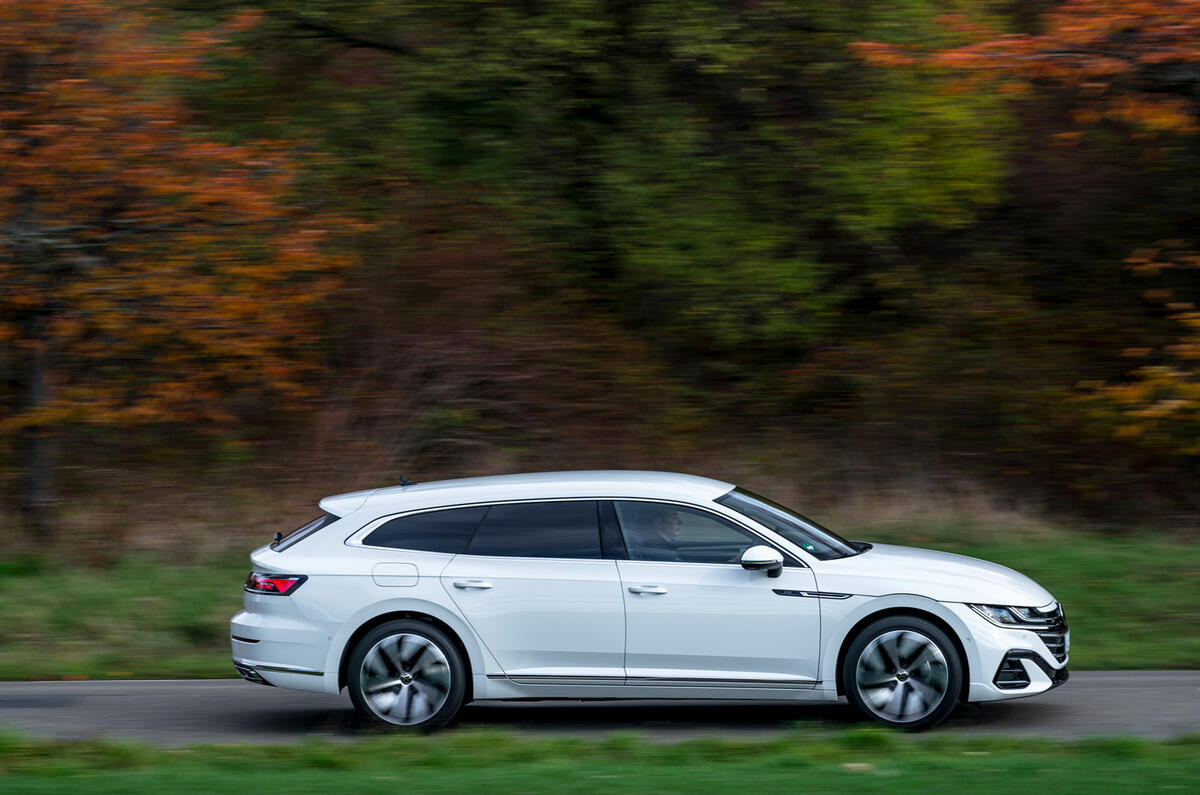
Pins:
x: 914, y: 611
x: 415, y: 614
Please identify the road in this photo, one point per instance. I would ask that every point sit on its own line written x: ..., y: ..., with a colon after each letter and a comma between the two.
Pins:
x: 1153, y: 704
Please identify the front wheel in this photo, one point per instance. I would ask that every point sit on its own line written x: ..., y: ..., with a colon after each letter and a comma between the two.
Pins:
x: 903, y: 671
x: 407, y: 673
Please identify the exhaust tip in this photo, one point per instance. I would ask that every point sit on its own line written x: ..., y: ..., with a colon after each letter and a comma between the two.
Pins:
x: 250, y: 675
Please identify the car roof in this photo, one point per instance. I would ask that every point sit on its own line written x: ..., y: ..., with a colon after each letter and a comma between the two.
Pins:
x: 533, y: 485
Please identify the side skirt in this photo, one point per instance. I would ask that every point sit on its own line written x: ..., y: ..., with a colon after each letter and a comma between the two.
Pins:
x: 501, y: 687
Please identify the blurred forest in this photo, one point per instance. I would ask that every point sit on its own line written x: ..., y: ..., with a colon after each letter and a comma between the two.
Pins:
x: 252, y: 253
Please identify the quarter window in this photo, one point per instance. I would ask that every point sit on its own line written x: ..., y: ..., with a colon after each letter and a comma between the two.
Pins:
x: 304, y: 531
x: 657, y: 531
x: 433, y: 531
x: 539, y: 530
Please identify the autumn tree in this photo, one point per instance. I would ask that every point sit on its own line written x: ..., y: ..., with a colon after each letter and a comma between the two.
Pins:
x: 1127, y: 61
x: 1157, y: 404
x: 1113, y: 89
x: 150, y: 274
x: 698, y: 169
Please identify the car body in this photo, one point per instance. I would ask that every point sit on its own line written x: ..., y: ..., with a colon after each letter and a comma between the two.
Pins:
x: 629, y: 585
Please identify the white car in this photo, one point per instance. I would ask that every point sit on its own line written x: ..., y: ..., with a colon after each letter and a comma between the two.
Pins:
x: 629, y: 585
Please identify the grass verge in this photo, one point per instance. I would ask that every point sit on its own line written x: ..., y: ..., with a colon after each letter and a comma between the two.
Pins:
x: 858, y: 760
x: 1132, y: 602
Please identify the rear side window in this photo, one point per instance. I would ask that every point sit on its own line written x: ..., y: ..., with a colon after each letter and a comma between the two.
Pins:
x: 433, y: 531
x: 539, y: 530
x: 304, y: 531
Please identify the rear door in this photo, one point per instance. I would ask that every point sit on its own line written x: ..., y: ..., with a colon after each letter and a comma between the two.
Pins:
x: 537, y: 590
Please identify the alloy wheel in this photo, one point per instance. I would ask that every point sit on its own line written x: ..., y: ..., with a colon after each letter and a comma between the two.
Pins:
x: 405, y: 679
x: 902, y: 676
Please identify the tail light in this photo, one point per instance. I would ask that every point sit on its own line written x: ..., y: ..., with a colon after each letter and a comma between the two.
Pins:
x: 281, y: 584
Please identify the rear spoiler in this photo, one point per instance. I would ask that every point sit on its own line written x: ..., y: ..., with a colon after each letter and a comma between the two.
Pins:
x: 345, y: 504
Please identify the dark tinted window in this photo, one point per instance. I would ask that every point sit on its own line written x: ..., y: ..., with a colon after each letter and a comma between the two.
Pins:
x: 539, y: 530
x: 434, y: 531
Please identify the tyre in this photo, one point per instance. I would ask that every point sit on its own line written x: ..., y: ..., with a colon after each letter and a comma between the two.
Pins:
x: 407, y: 673
x: 903, y: 671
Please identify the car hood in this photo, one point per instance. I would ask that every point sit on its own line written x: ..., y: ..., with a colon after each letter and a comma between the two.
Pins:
x: 887, y: 569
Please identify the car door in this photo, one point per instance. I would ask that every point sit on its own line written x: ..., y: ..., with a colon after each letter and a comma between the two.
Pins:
x: 695, y: 616
x: 537, y: 591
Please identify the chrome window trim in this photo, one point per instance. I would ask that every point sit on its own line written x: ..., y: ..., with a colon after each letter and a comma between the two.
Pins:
x: 355, y: 539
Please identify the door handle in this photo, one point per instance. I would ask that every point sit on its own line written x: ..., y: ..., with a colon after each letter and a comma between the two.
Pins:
x: 657, y: 589
x: 464, y: 585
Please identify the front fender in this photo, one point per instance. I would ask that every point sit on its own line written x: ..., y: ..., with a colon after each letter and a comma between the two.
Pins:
x: 841, y: 619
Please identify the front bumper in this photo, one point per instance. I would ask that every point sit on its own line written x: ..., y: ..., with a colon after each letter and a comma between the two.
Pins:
x: 1011, y: 662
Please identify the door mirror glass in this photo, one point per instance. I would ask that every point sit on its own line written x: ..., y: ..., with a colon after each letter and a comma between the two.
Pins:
x: 763, y: 558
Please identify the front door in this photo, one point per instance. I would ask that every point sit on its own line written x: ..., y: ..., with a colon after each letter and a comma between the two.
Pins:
x: 535, y: 589
x: 695, y: 616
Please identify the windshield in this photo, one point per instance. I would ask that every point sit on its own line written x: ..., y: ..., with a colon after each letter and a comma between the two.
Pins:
x: 805, y: 533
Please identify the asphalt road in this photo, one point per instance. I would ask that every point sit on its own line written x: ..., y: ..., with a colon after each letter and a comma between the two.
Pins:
x: 1154, y: 704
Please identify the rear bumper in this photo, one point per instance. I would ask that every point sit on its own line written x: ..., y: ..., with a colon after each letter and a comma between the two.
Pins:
x: 281, y: 651
x: 264, y: 673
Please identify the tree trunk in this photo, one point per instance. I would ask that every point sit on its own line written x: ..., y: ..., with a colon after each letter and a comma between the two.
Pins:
x: 37, y: 444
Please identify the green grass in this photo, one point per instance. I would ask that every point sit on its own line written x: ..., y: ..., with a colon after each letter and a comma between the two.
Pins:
x: 139, y: 618
x: 858, y: 760
x: 1132, y: 602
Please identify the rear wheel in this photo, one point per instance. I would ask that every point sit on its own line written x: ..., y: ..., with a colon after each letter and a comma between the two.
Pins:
x: 903, y: 671
x: 407, y: 673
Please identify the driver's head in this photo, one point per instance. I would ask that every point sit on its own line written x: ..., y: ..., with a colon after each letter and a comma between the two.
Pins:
x: 667, y: 524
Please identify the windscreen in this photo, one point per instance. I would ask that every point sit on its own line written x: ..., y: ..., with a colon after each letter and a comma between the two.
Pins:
x: 808, y: 535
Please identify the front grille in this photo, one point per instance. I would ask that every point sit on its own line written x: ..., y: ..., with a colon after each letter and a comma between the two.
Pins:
x: 1056, y: 642
x: 1054, y: 633
x: 1054, y: 619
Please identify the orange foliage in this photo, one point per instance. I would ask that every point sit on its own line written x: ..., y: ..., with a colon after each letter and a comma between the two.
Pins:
x: 153, y: 274
x: 1160, y: 403
x: 1123, y: 57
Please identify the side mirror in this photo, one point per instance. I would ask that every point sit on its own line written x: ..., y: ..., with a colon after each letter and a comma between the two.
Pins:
x: 763, y: 558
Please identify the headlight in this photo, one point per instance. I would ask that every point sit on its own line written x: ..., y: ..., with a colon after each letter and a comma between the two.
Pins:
x: 997, y: 615
x: 1018, y: 616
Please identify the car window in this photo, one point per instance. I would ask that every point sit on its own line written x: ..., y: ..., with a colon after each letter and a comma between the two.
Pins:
x: 539, y: 530
x: 433, y: 531
x: 818, y: 541
x: 303, y: 532
x: 658, y: 531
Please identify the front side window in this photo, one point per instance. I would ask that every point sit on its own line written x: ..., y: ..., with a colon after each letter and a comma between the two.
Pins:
x: 808, y: 535
x: 539, y: 530
x: 432, y: 531
x: 662, y: 532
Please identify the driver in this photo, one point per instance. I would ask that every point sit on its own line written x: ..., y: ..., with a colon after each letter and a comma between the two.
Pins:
x: 663, y: 542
